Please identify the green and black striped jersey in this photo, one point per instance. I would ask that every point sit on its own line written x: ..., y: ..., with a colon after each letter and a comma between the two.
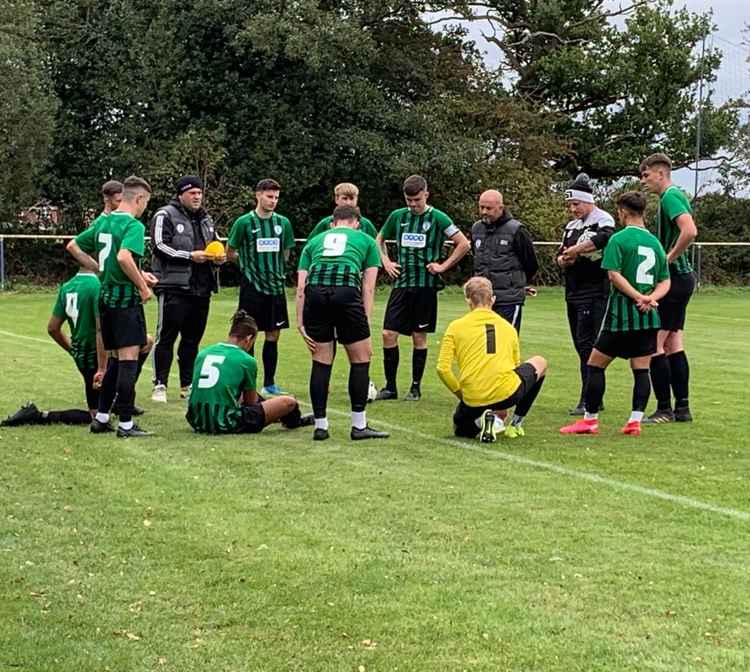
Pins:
x: 420, y: 241
x: 78, y: 304
x: 673, y: 203
x: 640, y: 258
x: 222, y: 374
x: 365, y: 226
x: 103, y: 240
x: 337, y: 258
x: 261, y: 245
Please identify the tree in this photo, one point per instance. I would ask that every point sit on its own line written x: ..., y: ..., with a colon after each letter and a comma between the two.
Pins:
x: 27, y: 107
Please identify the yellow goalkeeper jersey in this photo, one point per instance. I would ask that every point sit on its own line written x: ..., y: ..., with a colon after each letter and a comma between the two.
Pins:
x: 486, y: 349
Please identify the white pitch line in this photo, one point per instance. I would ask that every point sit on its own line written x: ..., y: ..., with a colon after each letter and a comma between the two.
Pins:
x: 682, y: 500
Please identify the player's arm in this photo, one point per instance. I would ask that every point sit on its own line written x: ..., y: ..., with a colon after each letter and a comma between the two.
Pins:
x: 101, y: 356
x: 300, y: 306
x: 461, y: 246
x: 688, y: 233
x: 645, y: 302
x: 599, y: 241
x: 234, y: 241
x: 83, y: 259
x: 54, y: 329
x: 369, y: 279
x: 661, y: 290
x: 162, y: 232
x: 445, y: 364
x: 391, y: 267
x: 524, y: 249
x: 131, y: 270
x: 250, y: 397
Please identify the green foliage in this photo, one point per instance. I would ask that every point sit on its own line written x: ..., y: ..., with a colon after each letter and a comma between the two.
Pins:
x: 27, y: 107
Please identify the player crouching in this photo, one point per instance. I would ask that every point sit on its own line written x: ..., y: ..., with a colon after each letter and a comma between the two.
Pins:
x: 491, y: 376
x: 639, y: 277
x: 335, y: 292
x: 223, y: 398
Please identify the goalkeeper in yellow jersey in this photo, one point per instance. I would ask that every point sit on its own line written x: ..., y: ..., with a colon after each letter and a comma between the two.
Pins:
x: 491, y: 376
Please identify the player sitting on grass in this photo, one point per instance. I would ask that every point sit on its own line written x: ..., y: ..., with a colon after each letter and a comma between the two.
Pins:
x: 223, y: 398
x: 491, y: 376
x: 639, y: 277
x: 335, y: 292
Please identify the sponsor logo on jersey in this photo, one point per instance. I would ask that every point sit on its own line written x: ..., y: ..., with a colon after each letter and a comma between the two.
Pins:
x: 277, y: 229
x: 267, y: 245
x: 415, y: 240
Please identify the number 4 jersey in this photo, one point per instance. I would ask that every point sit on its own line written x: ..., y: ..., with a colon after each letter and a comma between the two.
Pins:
x: 78, y: 303
x: 640, y: 258
x: 222, y: 374
x: 338, y: 257
x: 103, y: 240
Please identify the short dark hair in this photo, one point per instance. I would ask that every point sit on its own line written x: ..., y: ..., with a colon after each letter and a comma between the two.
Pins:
x: 134, y: 183
x: 242, y: 325
x: 344, y: 212
x: 267, y: 185
x: 414, y: 184
x: 112, y: 187
x: 657, y: 159
x: 632, y: 201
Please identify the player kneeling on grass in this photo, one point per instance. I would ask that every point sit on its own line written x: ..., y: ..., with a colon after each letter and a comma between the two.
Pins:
x: 491, y: 376
x: 639, y: 276
x: 223, y: 398
x: 335, y: 291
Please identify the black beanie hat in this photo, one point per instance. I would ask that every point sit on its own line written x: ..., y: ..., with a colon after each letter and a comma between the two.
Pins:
x: 580, y: 190
x: 187, y: 183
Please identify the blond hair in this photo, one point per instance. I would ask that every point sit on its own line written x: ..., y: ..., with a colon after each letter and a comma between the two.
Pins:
x: 478, y: 292
x: 346, y: 189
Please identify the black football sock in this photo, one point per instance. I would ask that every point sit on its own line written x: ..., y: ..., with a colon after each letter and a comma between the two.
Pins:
x: 270, y: 360
x: 524, y: 406
x: 320, y: 378
x: 584, y: 378
x: 292, y: 419
x: 641, y: 389
x: 679, y: 377
x: 595, y: 386
x: 73, y: 416
x: 660, y: 382
x: 109, y: 386
x: 390, y: 367
x: 141, y: 361
x: 359, y: 381
x: 418, y: 361
x: 127, y: 371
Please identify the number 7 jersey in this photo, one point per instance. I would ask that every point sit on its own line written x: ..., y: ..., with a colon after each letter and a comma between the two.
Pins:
x: 103, y: 240
x: 640, y: 258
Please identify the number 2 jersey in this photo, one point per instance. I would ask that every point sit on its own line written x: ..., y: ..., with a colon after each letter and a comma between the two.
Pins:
x: 337, y: 258
x: 485, y: 346
x: 222, y: 374
x: 103, y: 240
x: 420, y: 241
x: 78, y: 304
x: 640, y: 258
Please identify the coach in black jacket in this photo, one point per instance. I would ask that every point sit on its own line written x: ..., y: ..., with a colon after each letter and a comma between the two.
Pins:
x: 180, y: 232
x: 586, y: 283
x: 504, y: 254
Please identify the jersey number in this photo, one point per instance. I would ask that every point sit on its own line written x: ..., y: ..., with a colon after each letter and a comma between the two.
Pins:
x: 71, y: 307
x: 210, y: 370
x: 489, y: 331
x: 334, y: 244
x: 643, y: 276
x: 106, y: 240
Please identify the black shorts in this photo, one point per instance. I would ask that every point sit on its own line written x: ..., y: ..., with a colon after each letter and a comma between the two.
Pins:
x: 252, y: 420
x: 122, y: 327
x: 627, y: 344
x: 411, y: 309
x: 335, y: 313
x: 268, y: 310
x: 464, y: 416
x: 673, y: 306
x: 92, y: 395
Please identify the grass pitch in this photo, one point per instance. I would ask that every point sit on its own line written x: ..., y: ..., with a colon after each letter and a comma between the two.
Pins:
x: 423, y: 552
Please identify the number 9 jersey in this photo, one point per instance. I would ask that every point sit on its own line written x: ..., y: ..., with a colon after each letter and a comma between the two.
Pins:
x: 337, y: 258
x: 639, y: 257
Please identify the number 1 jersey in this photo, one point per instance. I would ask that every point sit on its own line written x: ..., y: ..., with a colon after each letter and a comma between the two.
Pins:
x: 640, y: 258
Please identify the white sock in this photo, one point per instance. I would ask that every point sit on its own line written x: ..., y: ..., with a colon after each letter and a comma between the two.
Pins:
x: 590, y: 416
x: 321, y: 423
x: 126, y: 425
x: 636, y: 416
x: 102, y: 417
x: 359, y: 419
